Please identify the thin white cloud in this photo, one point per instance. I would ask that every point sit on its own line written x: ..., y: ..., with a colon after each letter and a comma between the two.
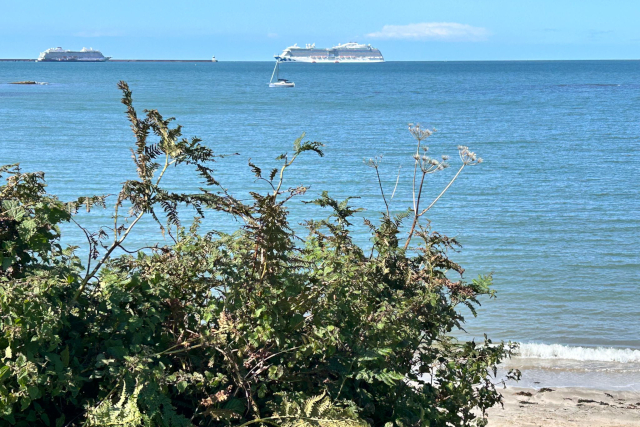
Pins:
x: 272, y: 35
x: 449, y: 31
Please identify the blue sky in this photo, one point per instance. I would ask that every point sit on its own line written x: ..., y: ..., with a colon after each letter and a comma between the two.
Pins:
x: 255, y: 30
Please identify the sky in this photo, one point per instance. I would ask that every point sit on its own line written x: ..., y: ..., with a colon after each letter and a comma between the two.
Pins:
x: 253, y: 30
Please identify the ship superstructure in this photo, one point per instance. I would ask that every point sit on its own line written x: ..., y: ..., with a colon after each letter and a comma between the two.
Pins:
x: 348, y: 53
x: 58, y: 54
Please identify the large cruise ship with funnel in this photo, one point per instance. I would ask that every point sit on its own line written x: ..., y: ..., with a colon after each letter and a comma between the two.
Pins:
x: 347, y: 53
x: 58, y: 54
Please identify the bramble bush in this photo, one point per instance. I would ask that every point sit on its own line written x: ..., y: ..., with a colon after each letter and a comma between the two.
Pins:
x: 261, y: 326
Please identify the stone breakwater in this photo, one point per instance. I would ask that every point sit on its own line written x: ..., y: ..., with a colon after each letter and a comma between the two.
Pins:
x: 28, y: 82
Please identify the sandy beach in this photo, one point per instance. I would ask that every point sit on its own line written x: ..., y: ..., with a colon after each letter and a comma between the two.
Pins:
x: 566, y: 407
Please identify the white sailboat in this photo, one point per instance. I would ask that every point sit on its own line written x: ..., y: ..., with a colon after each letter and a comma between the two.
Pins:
x: 278, y: 82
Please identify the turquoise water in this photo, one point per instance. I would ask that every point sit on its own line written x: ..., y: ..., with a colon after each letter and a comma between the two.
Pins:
x: 554, y: 211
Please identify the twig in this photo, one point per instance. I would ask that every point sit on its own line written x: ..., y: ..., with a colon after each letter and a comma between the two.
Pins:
x: 397, y: 180
x: 445, y: 190
x: 381, y: 190
x: 86, y: 233
x: 416, y: 215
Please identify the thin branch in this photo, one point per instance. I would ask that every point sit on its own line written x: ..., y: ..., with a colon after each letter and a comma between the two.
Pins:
x: 166, y: 165
x: 115, y: 219
x: 397, y: 180
x: 137, y: 250
x: 86, y: 233
x: 286, y: 165
x: 415, y: 171
x: 416, y: 215
x: 90, y: 275
x: 268, y: 182
x: 381, y: 190
x: 273, y: 355
x: 445, y: 189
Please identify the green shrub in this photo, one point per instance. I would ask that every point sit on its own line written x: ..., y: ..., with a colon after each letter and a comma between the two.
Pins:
x: 261, y: 326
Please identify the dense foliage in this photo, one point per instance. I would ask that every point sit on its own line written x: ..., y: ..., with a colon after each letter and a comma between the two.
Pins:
x: 262, y: 326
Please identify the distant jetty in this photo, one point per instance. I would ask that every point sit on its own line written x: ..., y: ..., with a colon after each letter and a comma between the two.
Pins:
x: 122, y: 60
x: 160, y: 60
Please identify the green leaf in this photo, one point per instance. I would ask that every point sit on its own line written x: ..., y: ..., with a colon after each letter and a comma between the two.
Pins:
x: 235, y: 405
x: 25, y: 402
x: 262, y: 391
x: 296, y: 320
x: 64, y: 355
x: 182, y: 386
x: 272, y: 372
x: 4, y: 372
x: 34, y: 392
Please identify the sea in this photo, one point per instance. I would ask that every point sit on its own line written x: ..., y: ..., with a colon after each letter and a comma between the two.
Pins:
x: 553, y: 212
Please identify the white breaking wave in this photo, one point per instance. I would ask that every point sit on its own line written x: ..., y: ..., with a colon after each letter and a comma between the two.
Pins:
x: 558, y: 351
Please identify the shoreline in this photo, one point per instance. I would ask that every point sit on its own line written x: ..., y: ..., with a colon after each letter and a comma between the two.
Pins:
x: 556, y: 365
x: 566, y: 407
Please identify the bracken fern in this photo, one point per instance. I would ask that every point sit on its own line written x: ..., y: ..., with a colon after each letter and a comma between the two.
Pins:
x: 260, y: 326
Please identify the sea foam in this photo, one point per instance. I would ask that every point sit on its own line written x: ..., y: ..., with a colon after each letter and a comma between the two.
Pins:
x: 558, y: 351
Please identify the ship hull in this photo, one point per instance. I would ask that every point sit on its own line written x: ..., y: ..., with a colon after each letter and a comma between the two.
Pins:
x: 58, y: 54
x: 73, y: 60
x: 348, y: 53
x: 337, y: 60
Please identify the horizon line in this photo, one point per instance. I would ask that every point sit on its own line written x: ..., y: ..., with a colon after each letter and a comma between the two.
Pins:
x: 400, y: 60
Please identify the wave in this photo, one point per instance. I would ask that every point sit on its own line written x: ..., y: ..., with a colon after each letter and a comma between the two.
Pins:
x: 558, y: 351
x: 590, y: 85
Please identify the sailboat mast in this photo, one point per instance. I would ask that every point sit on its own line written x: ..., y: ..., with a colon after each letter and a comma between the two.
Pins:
x: 275, y: 72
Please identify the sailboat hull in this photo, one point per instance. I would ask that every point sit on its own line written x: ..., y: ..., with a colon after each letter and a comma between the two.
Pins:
x: 278, y: 82
x: 282, y: 84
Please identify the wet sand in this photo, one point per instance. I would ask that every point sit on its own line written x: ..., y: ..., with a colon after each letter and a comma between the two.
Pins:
x: 566, y: 407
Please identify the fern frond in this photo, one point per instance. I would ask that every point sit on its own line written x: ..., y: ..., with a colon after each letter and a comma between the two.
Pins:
x: 316, y: 411
x: 323, y: 406
x: 124, y: 413
x: 309, y: 405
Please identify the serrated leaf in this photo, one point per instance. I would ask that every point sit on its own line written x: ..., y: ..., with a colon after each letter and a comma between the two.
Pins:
x: 235, y: 405
x: 310, y: 403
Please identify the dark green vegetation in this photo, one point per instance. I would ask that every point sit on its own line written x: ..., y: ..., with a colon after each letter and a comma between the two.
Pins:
x: 262, y: 326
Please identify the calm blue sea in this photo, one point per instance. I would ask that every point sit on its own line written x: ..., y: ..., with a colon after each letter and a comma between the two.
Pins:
x: 553, y: 212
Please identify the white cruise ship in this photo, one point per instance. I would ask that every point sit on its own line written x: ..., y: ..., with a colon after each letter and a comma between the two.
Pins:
x: 58, y: 54
x: 348, y: 53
